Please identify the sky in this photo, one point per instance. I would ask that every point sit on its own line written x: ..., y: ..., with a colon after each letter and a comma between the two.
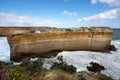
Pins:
x: 60, y: 13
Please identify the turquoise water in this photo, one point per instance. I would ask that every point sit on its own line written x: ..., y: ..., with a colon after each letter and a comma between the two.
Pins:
x: 116, y: 34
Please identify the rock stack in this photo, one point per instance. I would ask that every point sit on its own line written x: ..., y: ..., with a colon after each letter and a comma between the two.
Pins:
x: 47, y: 44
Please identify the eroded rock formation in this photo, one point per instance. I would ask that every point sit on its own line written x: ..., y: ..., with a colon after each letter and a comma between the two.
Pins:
x: 50, y: 43
x: 12, y: 30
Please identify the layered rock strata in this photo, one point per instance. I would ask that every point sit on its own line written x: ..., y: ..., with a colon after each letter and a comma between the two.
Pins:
x: 50, y: 43
x: 12, y: 30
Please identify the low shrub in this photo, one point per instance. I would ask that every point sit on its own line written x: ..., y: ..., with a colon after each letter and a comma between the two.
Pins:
x: 6, y: 64
x: 63, y: 65
x: 32, y: 65
x: 25, y: 62
x: 18, y: 74
x: 68, y: 29
x: 58, y: 75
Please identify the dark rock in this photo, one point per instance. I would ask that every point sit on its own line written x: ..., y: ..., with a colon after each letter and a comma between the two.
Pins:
x: 112, y: 48
x: 95, y: 67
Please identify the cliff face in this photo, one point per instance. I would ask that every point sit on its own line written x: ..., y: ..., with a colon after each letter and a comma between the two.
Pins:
x: 6, y: 31
x: 101, y: 38
x: 11, y: 31
x: 49, y: 44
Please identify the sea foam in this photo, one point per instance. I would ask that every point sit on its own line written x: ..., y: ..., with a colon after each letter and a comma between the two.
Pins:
x: 4, y: 49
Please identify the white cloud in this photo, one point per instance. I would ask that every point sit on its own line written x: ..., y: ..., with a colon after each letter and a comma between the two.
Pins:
x: 9, y: 19
x: 93, y: 1
x: 110, y: 14
x: 65, y: 12
x: 109, y: 2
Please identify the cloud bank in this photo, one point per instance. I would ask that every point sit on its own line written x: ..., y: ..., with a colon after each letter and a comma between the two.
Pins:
x: 12, y: 19
x: 109, y: 2
x: 110, y: 14
x: 9, y: 19
x: 106, y: 17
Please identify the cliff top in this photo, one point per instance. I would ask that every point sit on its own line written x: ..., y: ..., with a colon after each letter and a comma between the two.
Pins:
x: 59, y: 34
x: 55, y: 29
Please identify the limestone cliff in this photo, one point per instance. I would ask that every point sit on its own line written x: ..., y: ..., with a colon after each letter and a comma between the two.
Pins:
x: 12, y: 30
x: 50, y: 43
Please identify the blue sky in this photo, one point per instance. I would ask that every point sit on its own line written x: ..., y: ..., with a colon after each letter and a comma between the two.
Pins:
x: 60, y: 13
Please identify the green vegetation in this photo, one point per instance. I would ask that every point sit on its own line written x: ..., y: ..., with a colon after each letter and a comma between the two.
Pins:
x: 58, y: 74
x: 63, y: 66
x: 33, y: 70
x: 68, y: 29
x: 35, y: 65
x: 18, y: 74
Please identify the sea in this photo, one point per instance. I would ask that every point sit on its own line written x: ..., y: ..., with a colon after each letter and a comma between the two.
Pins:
x: 80, y: 59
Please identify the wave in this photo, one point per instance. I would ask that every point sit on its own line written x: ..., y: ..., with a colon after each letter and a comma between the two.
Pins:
x: 80, y: 59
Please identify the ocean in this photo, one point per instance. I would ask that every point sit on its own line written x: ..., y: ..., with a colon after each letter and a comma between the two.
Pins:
x: 80, y: 59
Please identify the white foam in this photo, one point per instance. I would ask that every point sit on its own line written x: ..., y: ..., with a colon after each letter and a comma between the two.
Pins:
x: 4, y: 49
